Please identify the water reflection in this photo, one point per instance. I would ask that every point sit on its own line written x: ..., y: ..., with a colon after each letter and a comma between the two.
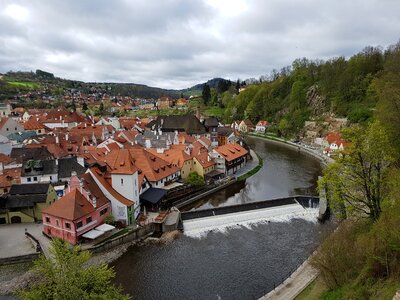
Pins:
x: 285, y: 172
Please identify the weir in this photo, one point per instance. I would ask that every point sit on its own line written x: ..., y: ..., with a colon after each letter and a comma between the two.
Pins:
x: 196, y: 223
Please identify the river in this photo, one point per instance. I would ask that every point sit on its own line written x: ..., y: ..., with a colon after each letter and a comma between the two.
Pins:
x: 243, y: 262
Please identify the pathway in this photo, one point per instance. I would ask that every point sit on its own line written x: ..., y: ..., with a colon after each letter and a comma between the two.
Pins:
x: 295, y: 284
x: 250, y: 165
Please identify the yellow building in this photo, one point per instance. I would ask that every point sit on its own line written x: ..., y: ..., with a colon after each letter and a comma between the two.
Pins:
x: 25, y: 202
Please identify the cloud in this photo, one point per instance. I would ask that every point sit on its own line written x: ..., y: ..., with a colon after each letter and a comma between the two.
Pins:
x: 178, y: 43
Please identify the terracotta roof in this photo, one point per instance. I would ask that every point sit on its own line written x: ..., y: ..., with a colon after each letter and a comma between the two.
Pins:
x: 71, y: 207
x: 204, y: 159
x: 175, y: 156
x: 262, y: 123
x: 336, y: 138
x: 231, y: 151
x: 153, y: 167
x: 120, y: 161
x: 9, y: 177
x: 5, y: 159
x: 32, y: 124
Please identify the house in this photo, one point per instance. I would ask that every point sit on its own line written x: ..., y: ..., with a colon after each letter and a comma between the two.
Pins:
x: 235, y: 125
x: 118, y: 178
x: 157, y: 171
x: 188, y: 123
x: 83, y: 208
x: 203, y: 164
x: 62, y: 118
x: 52, y: 170
x: 179, y: 156
x: 227, y: 135
x: 229, y: 158
x: 9, y: 126
x: 34, y: 125
x: 262, y: 126
x: 332, y: 143
x: 165, y: 102
x: 8, y: 177
x: 157, y: 139
x: 5, y: 109
x: 212, y: 128
x: 246, y: 126
x: 25, y: 202
x: 22, y: 155
x: 181, y: 103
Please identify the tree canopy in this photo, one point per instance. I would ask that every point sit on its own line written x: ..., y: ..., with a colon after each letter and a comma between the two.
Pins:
x: 67, y: 276
x: 355, y: 182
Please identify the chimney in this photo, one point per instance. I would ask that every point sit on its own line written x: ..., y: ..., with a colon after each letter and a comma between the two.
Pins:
x: 81, y: 186
x: 1, y: 168
x: 66, y: 137
x: 57, y: 140
x: 56, y: 161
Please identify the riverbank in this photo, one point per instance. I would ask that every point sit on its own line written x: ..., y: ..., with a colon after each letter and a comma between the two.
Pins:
x: 23, y: 278
x: 305, y: 274
x: 324, y: 159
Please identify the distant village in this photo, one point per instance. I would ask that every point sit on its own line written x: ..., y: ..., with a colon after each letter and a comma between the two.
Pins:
x: 73, y: 172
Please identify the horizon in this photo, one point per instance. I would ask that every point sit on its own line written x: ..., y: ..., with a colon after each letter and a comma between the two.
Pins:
x: 178, y: 44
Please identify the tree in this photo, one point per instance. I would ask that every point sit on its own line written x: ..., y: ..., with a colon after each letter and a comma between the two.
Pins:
x: 194, y: 179
x: 67, y: 276
x: 355, y: 183
x: 206, y: 93
x: 84, y: 106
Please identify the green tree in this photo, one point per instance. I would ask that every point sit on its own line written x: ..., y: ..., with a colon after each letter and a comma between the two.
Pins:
x: 194, y: 179
x: 84, y: 106
x: 355, y: 183
x: 67, y: 276
x: 206, y: 93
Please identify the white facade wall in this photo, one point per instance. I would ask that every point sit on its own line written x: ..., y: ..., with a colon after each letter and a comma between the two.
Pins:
x: 119, y: 210
x: 126, y: 185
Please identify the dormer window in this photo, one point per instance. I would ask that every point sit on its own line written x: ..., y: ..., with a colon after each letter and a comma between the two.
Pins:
x: 122, y: 181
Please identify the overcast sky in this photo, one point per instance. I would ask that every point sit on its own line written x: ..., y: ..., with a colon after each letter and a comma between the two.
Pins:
x: 178, y: 43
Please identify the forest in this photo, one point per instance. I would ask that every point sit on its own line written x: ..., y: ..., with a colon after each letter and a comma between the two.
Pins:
x: 309, y: 88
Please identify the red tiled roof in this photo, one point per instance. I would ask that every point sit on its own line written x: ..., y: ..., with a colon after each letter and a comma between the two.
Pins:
x: 231, y: 151
x: 153, y: 167
x: 9, y: 177
x: 71, y: 207
x: 120, y: 162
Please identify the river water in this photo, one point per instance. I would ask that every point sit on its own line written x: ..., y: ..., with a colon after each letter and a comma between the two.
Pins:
x: 242, y: 262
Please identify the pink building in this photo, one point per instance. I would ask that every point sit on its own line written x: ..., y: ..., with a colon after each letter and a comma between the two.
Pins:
x: 83, y: 208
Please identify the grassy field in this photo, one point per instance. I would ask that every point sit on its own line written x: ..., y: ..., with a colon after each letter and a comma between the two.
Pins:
x: 214, y: 111
x: 25, y: 84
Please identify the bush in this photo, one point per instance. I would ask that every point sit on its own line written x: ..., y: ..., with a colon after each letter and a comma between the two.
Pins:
x: 195, y: 179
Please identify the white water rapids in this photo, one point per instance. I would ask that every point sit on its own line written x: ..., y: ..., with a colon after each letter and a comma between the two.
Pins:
x: 198, y: 228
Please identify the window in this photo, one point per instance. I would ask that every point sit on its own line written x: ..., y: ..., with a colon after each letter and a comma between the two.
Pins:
x: 29, y: 179
x: 88, y: 220
x: 47, y: 220
x: 103, y: 211
x: 51, y: 177
x: 79, y: 224
x: 67, y: 225
x: 35, y: 178
x: 7, y: 128
x: 15, y: 128
x: 57, y: 223
x: 122, y: 181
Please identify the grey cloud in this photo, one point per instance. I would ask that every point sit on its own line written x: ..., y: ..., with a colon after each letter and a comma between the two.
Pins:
x: 177, y: 43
